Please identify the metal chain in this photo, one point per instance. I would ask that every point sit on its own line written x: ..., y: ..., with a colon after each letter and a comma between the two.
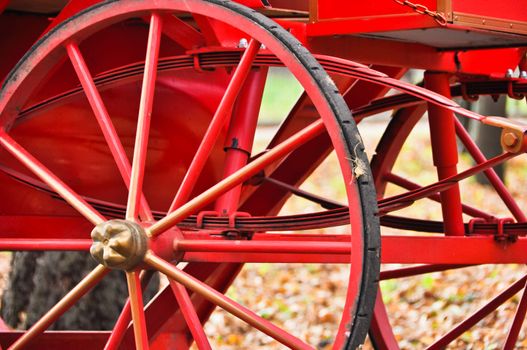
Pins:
x: 423, y: 10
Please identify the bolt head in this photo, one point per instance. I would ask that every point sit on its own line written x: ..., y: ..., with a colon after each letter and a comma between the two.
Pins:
x: 243, y: 44
x: 510, y: 139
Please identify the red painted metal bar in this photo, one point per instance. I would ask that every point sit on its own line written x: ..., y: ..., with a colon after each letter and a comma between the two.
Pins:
x: 269, y: 247
x: 61, y: 307
x: 454, y: 249
x: 218, y: 120
x: 491, y: 175
x: 145, y: 115
x: 136, y: 305
x: 225, y: 303
x: 190, y: 315
x: 417, y: 270
x: 50, y: 179
x: 470, y: 321
x: 240, y: 136
x: 444, y: 152
x: 425, y: 250
x: 238, y: 177
x: 44, y: 244
x: 251, y: 257
x: 182, y: 33
x: 519, y: 319
x: 409, y: 185
x: 104, y: 120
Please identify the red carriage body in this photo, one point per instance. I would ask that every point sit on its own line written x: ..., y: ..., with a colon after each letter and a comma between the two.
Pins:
x: 195, y: 191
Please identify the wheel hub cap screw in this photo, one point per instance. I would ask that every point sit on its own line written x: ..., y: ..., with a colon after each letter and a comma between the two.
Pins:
x: 118, y: 244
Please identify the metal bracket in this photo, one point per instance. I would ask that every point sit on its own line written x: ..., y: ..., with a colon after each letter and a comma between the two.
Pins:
x: 513, y: 135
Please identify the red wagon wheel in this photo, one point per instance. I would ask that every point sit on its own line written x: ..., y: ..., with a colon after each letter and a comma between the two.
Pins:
x: 488, y: 235
x: 199, y: 92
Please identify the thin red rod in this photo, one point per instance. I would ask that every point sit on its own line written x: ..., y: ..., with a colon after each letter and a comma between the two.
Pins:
x: 225, y: 303
x: 519, y: 319
x: 491, y: 175
x: 218, y: 121
x: 416, y: 270
x: 477, y: 316
x: 278, y: 247
x: 444, y: 153
x: 380, y: 328
x: 145, y: 115
x: 138, y: 314
x: 190, y: 315
x: 121, y: 325
x: 38, y: 244
x: 241, y: 175
x: 409, y: 185
x: 50, y: 179
x: 446, y: 183
x: 61, y: 307
x: 104, y: 120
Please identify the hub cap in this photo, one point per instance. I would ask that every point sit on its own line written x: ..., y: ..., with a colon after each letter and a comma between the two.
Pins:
x: 118, y: 244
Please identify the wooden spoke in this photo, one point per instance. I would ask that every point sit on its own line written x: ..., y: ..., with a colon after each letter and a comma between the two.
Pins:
x: 138, y: 314
x: 104, y: 120
x: 145, y: 114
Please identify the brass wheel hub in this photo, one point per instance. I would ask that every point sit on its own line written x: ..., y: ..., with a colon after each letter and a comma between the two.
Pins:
x: 119, y: 244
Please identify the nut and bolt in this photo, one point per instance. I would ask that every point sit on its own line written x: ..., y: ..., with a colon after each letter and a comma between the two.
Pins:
x: 510, y: 139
